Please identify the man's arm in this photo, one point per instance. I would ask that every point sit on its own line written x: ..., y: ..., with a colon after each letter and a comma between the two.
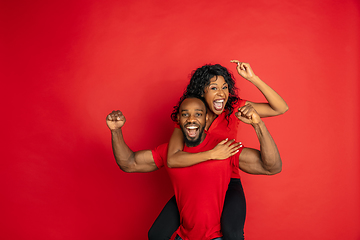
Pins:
x: 128, y: 161
x: 267, y: 161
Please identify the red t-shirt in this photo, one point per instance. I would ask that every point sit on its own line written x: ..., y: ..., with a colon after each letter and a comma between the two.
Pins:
x: 199, y: 190
x: 223, y: 129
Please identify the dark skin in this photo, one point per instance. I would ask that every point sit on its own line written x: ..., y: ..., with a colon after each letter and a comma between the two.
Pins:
x: 218, y: 91
x: 265, y: 161
x: 142, y: 161
x: 128, y: 161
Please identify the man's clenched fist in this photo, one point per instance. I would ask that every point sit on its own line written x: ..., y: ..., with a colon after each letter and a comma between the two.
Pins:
x: 248, y: 114
x: 115, y: 120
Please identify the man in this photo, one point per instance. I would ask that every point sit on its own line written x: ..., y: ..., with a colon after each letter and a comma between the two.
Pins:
x: 199, y: 189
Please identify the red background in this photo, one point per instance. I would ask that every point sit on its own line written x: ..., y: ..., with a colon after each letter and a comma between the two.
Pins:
x: 66, y: 64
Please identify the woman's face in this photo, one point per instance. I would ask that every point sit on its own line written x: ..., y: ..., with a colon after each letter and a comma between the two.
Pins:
x: 216, y: 94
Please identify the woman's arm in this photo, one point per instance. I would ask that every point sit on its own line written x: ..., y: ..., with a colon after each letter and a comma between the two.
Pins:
x: 276, y: 105
x: 178, y: 158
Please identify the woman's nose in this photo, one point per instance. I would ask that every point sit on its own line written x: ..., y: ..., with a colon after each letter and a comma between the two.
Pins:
x: 220, y: 92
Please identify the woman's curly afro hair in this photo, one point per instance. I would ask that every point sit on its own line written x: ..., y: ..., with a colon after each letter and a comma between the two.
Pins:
x: 200, y: 79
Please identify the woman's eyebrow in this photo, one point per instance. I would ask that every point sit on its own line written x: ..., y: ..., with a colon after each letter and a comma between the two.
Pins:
x: 196, y: 109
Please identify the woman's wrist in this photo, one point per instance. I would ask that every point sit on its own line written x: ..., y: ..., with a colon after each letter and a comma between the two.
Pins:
x: 210, y: 154
x: 254, y: 79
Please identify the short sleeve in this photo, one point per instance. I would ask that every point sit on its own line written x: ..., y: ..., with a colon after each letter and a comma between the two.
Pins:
x: 241, y: 103
x: 235, y: 158
x: 160, y: 154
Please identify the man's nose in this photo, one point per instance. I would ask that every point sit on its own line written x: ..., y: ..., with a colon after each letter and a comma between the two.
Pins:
x: 191, y: 119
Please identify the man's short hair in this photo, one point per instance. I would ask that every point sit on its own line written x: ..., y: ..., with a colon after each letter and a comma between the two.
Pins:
x: 175, y: 112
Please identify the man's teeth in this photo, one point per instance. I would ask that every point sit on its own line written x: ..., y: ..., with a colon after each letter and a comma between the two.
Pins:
x: 192, y: 127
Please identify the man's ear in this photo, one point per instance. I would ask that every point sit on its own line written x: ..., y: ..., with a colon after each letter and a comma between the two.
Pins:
x: 178, y: 117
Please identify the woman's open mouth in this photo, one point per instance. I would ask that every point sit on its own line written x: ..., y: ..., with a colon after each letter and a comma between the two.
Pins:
x: 219, y: 104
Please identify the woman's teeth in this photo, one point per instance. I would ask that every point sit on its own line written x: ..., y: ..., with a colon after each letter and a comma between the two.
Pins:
x: 218, y: 104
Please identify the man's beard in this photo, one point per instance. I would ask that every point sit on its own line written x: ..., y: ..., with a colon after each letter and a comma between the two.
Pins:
x: 193, y: 142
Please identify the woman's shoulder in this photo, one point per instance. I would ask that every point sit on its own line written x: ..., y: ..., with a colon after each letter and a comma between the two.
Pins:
x: 240, y: 103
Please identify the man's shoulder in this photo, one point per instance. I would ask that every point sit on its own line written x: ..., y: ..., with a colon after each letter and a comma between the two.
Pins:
x: 160, y: 154
x: 161, y: 149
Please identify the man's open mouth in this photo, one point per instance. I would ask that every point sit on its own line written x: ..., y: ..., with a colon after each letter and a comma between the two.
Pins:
x: 192, y: 130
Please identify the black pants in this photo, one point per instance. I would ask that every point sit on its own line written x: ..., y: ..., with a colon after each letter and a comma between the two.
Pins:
x: 232, y: 218
x: 179, y: 238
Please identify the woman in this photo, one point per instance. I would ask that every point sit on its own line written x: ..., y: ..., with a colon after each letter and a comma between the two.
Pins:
x: 217, y: 86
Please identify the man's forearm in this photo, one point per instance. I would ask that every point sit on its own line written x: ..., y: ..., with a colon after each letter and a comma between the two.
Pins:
x: 124, y: 156
x: 270, y: 156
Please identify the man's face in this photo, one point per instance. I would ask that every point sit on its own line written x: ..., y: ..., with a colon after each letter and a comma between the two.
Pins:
x: 192, y: 120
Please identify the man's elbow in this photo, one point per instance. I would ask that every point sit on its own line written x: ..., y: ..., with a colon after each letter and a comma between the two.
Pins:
x: 128, y: 168
x: 275, y: 170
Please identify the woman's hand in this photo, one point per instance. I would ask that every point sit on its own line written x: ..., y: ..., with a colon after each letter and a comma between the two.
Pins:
x: 275, y: 104
x: 244, y: 70
x: 225, y: 149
